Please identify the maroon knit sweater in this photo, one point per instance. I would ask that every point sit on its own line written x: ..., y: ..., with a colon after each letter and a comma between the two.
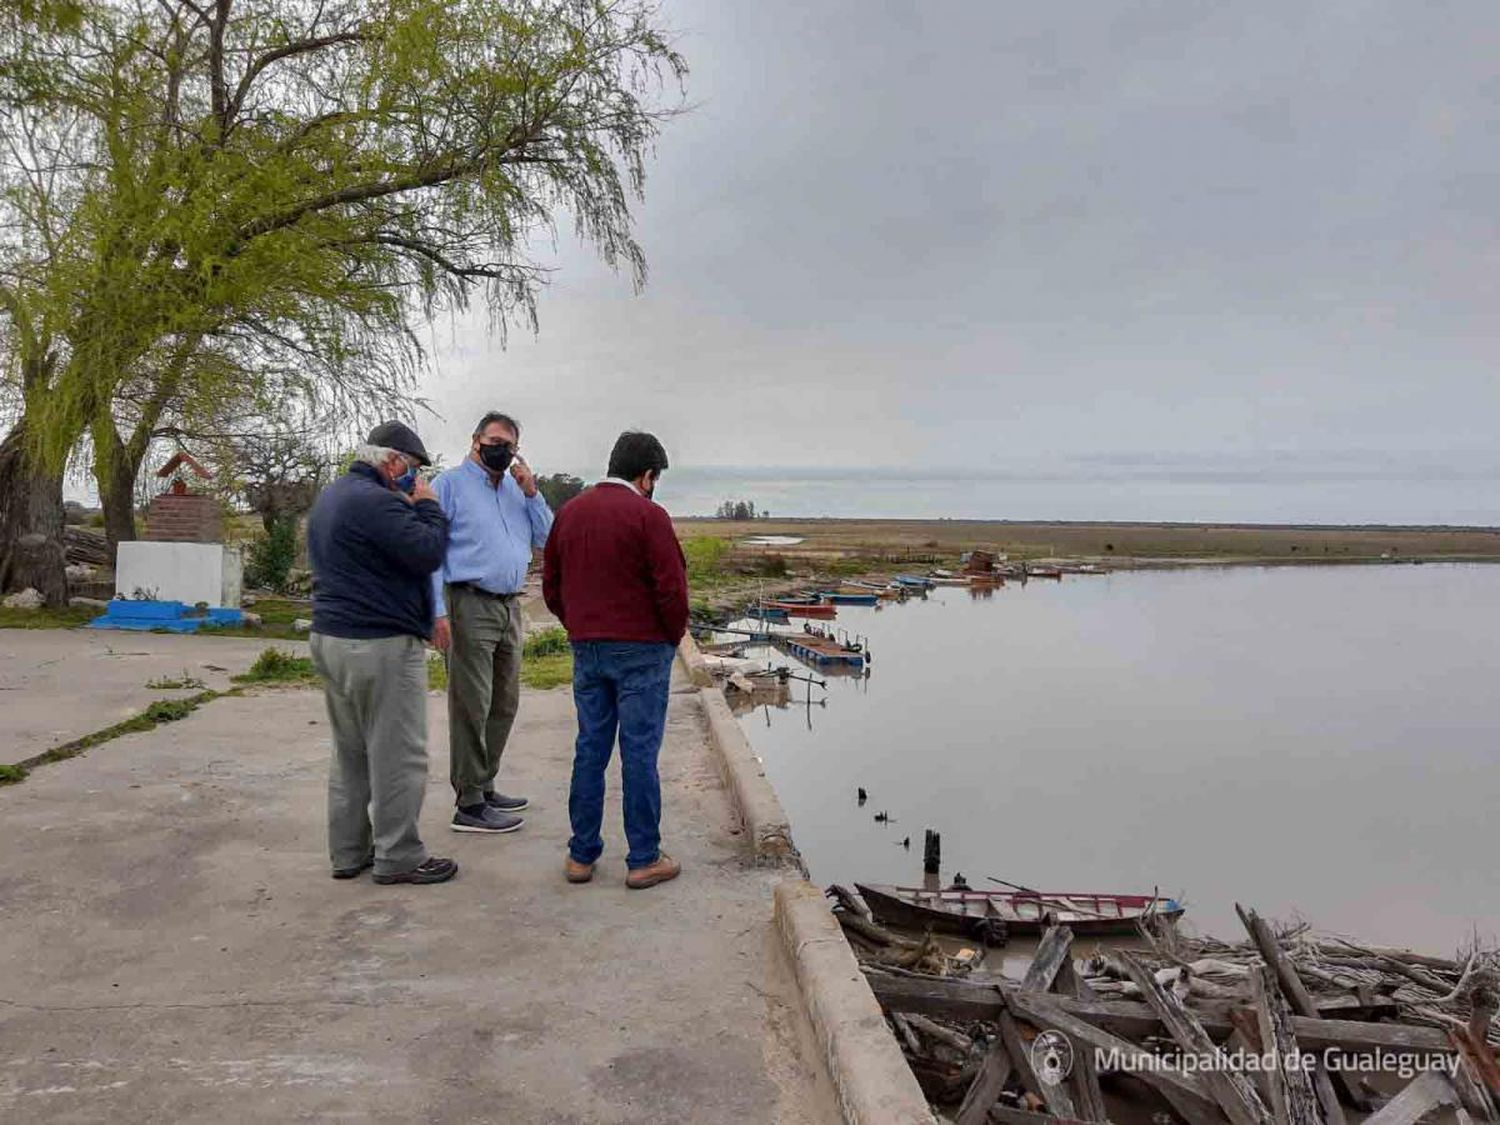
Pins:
x: 613, y: 569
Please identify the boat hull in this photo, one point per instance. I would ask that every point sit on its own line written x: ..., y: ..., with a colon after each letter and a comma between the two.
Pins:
x: 797, y: 609
x: 965, y: 912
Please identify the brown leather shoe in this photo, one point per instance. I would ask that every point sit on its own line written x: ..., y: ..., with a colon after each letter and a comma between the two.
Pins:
x: 578, y: 872
x: 663, y: 869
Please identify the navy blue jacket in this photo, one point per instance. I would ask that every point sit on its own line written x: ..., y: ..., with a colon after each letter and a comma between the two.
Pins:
x: 372, y: 556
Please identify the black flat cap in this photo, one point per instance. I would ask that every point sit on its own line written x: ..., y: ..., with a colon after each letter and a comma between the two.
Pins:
x: 400, y: 437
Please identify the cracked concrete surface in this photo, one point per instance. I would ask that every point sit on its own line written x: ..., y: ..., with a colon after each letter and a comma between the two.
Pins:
x: 174, y: 949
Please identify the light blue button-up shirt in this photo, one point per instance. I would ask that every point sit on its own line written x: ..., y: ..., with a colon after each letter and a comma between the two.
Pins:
x: 491, y: 531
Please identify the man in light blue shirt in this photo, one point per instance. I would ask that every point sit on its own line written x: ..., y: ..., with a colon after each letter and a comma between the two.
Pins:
x: 496, y: 516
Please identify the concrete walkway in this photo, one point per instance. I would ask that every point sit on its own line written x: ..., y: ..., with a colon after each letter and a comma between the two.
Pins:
x: 60, y: 684
x: 174, y: 949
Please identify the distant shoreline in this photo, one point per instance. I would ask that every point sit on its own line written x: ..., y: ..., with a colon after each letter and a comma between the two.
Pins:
x: 950, y: 520
x: 1121, y: 543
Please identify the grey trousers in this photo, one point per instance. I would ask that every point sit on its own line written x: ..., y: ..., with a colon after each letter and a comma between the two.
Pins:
x: 376, y: 692
x: 484, y: 687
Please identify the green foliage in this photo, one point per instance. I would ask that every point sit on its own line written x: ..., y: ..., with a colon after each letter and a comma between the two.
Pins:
x: 547, y: 660
x: 437, y: 672
x: 251, y: 208
x: 272, y: 557
x: 548, y: 642
x: 11, y: 775
x: 558, y: 488
x: 277, y: 666
x: 705, y: 555
x: 168, y: 711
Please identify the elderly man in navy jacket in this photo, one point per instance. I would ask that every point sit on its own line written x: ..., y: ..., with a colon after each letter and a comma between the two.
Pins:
x: 615, y: 577
x: 374, y: 538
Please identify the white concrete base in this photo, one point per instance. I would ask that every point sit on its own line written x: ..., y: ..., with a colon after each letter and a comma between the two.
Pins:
x: 209, y: 573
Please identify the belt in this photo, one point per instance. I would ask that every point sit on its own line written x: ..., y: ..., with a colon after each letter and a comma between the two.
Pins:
x: 481, y: 591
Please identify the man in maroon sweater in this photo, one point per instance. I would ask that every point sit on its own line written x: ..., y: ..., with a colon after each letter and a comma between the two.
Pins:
x: 615, y: 577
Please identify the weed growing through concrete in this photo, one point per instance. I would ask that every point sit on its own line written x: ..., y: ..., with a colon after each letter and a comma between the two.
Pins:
x: 277, y: 666
x: 162, y: 711
x: 187, y: 681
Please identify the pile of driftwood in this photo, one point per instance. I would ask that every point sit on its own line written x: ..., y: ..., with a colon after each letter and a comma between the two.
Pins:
x: 1284, y: 1028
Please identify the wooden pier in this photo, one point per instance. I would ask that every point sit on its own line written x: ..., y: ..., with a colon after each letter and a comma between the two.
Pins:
x: 813, y: 649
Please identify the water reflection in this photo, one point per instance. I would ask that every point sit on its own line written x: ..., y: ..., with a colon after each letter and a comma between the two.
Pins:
x: 1304, y: 740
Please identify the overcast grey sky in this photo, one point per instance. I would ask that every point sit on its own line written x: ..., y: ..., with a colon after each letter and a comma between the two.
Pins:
x: 957, y: 233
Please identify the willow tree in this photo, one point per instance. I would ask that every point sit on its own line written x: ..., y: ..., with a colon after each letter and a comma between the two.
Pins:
x: 197, y: 193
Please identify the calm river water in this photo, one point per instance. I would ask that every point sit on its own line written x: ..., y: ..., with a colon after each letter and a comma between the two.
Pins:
x: 1305, y: 740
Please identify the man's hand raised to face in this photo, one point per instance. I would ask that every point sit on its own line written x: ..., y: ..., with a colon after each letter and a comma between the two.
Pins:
x: 524, y: 476
x: 423, y: 490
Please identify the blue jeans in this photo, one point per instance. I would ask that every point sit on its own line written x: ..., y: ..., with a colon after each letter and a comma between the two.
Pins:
x: 619, y: 686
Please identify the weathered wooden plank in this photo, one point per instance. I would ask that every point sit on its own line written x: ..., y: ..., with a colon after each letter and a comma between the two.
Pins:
x: 1058, y: 1102
x: 1422, y: 1096
x: 1086, y: 1088
x: 1051, y: 952
x: 1329, y: 1087
x: 958, y: 1041
x: 1047, y: 1012
x: 1070, y: 983
x: 1293, y: 1099
x: 972, y: 1000
x: 1233, y: 1091
x: 872, y: 932
x: 985, y: 1090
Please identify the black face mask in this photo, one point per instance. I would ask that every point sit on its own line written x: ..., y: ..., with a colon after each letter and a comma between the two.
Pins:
x: 496, y: 458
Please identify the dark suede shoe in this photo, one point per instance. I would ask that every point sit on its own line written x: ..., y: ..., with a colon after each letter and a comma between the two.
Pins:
x: 482, y: 818
x: 505, y: 804
x: 354, y: 872
x: 430, y: 870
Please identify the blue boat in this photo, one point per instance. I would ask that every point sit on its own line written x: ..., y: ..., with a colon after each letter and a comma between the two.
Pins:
x: 835, y: 598
x: 914, y: 581
x: 760, y: 613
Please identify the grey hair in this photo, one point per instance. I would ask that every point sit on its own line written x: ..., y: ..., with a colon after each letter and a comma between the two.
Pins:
x: 376, y: 455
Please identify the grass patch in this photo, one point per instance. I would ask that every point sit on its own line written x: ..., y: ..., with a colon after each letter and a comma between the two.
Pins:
x: 276, y: 616
x: 543, y: 672
x: 437, y: 672
x: 547, y: 660
x: 12, y: 775
x: 70, y: 617
x: 548, y: 642
x: 187, y: 681
x: 277, y: 666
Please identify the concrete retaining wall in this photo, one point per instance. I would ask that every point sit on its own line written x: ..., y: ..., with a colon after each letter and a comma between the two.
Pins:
x: 870, y: 1074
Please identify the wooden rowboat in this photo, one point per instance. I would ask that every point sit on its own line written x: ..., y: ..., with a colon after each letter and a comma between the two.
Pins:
x: 1023, y: 912
x: 802, y: 609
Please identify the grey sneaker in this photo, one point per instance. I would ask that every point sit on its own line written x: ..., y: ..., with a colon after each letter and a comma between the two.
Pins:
x: 483, y: 818
x: 505, y: 804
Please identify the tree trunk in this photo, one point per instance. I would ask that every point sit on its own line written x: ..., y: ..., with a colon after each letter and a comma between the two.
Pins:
x: 31, y: 523
x: 114, y: 473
